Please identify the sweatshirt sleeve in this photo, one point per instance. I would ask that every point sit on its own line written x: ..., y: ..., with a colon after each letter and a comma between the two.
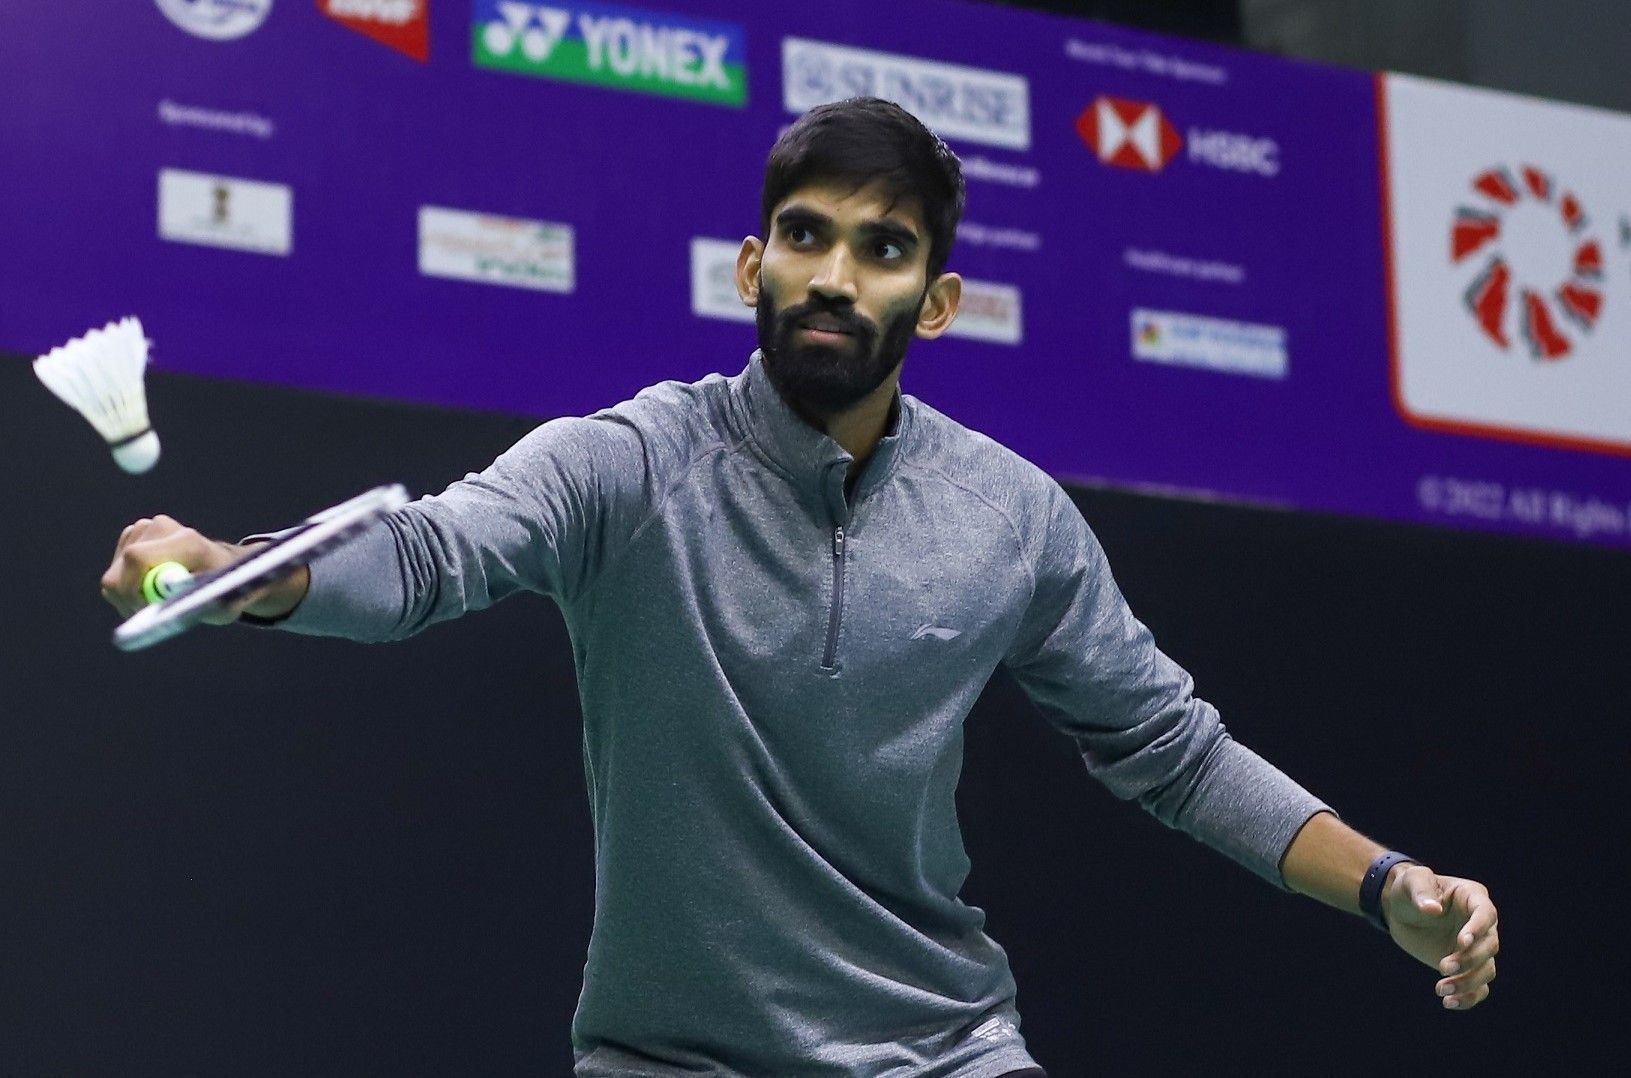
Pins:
x: 544, y: 517
x: 1094, y: 670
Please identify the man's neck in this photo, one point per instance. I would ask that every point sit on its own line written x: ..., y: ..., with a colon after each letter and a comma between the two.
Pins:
x: 860, y: 427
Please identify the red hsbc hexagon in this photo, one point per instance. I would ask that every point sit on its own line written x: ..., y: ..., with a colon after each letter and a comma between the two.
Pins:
x: 1129, y: 134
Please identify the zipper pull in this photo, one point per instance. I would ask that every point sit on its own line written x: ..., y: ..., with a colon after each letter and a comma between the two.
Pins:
x: 838, y: 542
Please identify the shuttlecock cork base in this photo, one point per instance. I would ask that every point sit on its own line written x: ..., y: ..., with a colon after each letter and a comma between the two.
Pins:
x: 100, y: 376
x: 138, y: 454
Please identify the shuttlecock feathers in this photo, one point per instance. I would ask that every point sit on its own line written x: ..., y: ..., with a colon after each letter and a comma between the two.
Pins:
x: 100, y: 376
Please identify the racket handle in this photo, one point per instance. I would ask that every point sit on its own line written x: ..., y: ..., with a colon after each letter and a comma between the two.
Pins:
x: 164, y: 580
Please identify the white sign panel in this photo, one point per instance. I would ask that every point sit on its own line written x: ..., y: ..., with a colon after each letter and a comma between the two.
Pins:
x: 225, y: 211
x: 713, y: 280
x: 1507, y: 233
x: 989, y: 312
x: 489, y: 249
x: 1217, y: 344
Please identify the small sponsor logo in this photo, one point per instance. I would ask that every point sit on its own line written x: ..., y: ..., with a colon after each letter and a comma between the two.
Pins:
x: 940, y: 632
x: 1138, y: 135
x: 989, y: 312
x: 713, y: 281
x: 622, y: 48
x: 489, y: 249
x: 968, y: 103
x: 225, y: 211
x: 217, y: 20
x: 403, y: 25
x: 1217, y: 344
x: 1539, y: 265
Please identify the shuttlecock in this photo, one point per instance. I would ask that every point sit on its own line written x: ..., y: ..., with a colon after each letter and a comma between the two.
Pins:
x: 99, y: 375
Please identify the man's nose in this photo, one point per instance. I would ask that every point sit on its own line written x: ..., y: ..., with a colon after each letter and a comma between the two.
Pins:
x: 835, y: 279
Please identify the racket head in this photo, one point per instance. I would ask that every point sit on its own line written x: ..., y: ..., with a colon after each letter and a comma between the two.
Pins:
x: 268, y: 562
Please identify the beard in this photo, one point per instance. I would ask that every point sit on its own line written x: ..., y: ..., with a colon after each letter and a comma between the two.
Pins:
x: 828, y: 378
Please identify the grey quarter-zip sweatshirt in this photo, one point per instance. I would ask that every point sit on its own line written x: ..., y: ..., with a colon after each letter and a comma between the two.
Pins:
x: 773, y: 677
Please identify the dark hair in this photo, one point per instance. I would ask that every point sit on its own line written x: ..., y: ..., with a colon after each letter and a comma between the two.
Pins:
x: 867, y: 139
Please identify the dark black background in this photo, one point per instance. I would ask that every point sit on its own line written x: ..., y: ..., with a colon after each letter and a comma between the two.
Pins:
x: 244, y: 852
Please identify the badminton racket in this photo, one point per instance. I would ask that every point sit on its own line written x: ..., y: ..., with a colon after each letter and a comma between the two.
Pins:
x: 182, y: 599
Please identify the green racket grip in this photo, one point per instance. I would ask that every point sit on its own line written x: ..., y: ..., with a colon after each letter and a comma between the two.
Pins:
x: 165, y: 579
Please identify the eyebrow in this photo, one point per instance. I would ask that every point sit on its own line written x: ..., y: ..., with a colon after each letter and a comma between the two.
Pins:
x: 890, y: 228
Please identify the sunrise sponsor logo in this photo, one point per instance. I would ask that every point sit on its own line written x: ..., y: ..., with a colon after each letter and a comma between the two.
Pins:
x: 1537, y: 262
x: 956, y: 102
x: 403, y: 25
x: 217, y: 20
x: 1138, y: 135
x: 225, y: 211
x: 620, y: 48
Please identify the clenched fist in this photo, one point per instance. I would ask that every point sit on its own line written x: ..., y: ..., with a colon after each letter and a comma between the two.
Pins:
x: 152, y: 541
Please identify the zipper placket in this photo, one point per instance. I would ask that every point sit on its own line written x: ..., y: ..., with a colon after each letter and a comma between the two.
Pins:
x: 829, y: 658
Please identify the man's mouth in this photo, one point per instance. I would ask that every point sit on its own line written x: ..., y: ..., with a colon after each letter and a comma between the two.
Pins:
x: 826, y: 325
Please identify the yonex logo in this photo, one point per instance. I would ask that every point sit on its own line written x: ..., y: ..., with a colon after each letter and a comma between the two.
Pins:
x: 537, y: 30
x: 612, y: 46
x: 1540, y: 269
x: 1129, y: 134
x: 938, y: 632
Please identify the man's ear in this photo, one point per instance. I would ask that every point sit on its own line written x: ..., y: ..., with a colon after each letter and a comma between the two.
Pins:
x: 748, y: 260
x: 939, y: 306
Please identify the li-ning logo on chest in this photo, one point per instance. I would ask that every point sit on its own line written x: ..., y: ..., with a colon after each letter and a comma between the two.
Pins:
x: 931, y: 631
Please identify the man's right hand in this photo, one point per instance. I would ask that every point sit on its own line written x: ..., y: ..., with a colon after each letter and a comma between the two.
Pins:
x: 152, y: 541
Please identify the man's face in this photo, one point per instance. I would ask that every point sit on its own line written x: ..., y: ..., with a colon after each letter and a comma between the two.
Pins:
x: 841, y: 285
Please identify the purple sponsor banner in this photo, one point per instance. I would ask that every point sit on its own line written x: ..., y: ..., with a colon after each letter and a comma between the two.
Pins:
x: 1178, y: 272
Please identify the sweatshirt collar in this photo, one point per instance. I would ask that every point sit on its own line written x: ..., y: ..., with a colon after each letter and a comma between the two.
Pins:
x: 810, y: 459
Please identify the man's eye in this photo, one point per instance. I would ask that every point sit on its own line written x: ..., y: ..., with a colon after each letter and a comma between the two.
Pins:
x: 889, y: 252
x: 798, y: 235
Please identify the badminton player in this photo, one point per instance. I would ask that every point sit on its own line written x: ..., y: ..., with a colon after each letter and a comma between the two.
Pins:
x: 785, y: 590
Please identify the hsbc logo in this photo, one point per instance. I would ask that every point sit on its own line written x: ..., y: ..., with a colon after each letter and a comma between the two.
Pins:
x: 1129, y: 134
x: 1137, y: 135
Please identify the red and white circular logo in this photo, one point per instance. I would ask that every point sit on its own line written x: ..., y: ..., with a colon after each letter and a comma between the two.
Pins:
x: 1538, y: 267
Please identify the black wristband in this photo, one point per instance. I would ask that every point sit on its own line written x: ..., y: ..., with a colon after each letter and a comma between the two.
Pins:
x: 1370, y: 888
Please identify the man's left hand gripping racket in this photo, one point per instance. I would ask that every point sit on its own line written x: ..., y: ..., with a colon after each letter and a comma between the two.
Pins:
x: 182, y: 599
